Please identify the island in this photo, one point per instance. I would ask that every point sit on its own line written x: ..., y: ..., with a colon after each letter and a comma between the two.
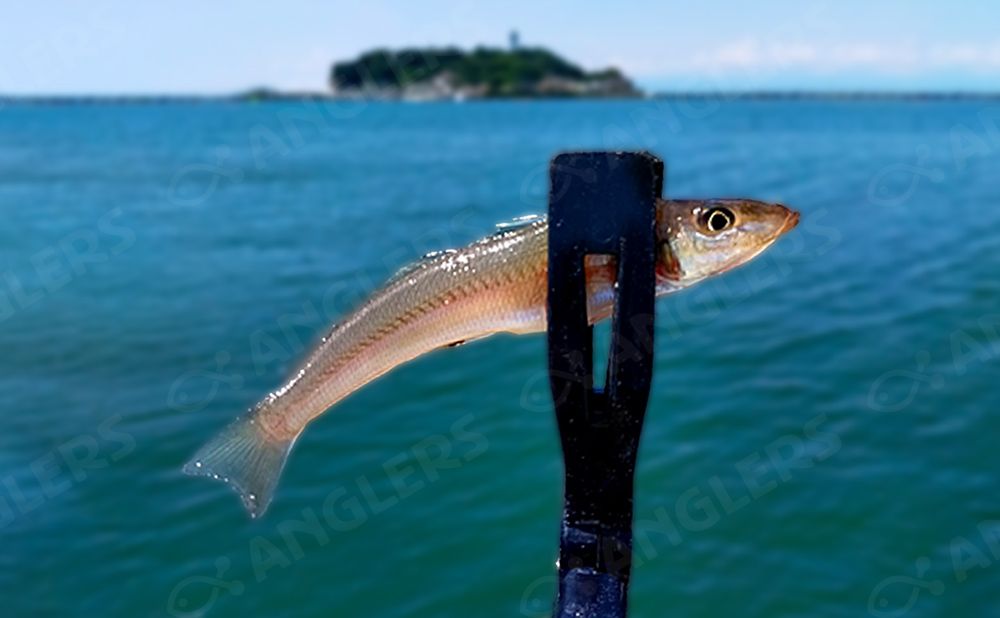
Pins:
x: 450, y: 73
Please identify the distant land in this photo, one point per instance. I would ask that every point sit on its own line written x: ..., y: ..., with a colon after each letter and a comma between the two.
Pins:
x: 265, y: 95
x: 449, y: 73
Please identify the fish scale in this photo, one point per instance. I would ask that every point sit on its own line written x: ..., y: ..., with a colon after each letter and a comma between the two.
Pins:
x: 497, y: 284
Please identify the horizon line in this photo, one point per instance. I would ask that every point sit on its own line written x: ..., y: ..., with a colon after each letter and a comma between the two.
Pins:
x: 266, y: 93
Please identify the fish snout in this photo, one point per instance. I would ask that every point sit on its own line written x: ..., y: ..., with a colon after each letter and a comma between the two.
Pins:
x: 791, y: 220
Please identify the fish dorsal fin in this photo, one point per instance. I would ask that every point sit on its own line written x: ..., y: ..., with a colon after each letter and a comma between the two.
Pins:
x: 508, y: 227
x: 419, y: 264
x: 505, y: 227
x: 436, y: 254
x: 518, y: 222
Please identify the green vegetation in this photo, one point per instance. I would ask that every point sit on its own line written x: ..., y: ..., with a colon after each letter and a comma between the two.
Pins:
x: 489, y: 72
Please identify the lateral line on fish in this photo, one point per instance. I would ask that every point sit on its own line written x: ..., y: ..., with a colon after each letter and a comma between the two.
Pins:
x: 495, y: 284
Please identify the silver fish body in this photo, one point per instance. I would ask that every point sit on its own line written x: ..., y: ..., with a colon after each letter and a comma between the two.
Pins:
x: 497, y: 284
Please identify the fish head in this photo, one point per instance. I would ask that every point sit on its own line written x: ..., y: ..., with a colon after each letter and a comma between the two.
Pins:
x: 701, y: 238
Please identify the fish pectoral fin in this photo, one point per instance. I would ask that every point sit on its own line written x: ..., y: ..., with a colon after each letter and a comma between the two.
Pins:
x: 458, y: 342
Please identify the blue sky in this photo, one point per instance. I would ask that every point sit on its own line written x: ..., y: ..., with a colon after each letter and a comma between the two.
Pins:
x: 183, y: 46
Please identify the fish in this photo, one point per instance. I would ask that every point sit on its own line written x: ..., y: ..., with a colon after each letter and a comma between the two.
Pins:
x: 494, y: 285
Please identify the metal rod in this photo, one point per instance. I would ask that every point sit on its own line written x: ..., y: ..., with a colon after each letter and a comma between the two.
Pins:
x: 600, y: 203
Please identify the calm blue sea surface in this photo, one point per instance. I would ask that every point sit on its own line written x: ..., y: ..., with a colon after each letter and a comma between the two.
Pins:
x: 821, y: 433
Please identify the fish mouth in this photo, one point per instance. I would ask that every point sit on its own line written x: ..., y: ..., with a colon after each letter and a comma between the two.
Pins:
x: 791, y: 220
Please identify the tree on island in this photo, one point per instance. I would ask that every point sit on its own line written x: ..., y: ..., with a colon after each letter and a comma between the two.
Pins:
x: 489, y: 72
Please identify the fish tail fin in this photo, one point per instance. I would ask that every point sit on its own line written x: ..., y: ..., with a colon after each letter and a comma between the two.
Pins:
x: 247, y: 458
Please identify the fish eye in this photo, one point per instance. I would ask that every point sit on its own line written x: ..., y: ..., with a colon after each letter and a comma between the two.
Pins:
x: 717, y: 220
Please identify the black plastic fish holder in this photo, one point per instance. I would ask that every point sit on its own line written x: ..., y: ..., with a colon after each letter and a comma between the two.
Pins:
x: 600, y: 203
